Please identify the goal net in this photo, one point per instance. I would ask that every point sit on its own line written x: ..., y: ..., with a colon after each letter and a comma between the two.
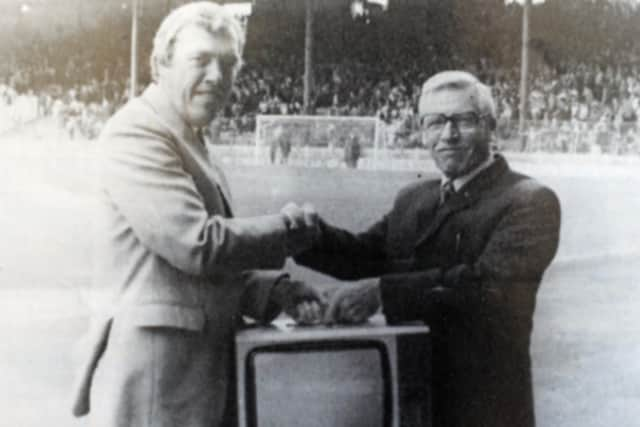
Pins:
x: 321, y: 141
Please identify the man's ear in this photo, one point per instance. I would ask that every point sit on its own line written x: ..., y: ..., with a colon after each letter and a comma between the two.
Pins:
x: 162, y: 64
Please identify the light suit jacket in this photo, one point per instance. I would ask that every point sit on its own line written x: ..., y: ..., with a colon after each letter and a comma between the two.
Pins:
x: 168, y: 252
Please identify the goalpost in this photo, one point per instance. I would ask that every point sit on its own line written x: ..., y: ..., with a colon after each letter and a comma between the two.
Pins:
x: 315, y: 140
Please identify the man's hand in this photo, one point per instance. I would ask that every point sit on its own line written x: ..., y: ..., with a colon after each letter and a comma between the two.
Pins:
x: 459, y: 276
x: 353, y: 304
x: 298, y: 300
x: 302, y: 227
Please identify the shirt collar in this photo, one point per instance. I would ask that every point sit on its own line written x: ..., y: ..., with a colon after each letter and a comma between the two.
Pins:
x: 460, y: 181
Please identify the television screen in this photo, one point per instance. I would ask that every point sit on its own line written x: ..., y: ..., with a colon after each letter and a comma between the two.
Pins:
x: 370, y: 375
x: 321, y: 387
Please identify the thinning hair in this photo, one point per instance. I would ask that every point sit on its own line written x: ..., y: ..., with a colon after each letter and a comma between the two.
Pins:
x: 480, y: 96
x: 210, y: 16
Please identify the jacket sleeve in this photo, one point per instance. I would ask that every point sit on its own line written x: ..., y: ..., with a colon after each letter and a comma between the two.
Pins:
x: 350, y: 256
x: 345, y: 255
x: 144, y: 178
x: 255, y: 302
x: 504, y: 277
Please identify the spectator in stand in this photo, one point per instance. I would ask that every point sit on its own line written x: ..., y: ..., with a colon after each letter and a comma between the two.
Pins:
x: 628, y: 115
x: 272, y: 80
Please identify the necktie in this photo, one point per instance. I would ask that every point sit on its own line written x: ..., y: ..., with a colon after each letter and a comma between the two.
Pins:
x: 200, y: 136
x: 446, y: 191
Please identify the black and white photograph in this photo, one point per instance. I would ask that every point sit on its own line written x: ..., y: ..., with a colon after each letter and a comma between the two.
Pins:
x: 320, y: 213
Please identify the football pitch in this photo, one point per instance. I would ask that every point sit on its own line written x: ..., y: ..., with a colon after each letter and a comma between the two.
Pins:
x: 586, y: 345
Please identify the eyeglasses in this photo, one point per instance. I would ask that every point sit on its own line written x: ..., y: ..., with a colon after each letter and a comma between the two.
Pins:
x: 464, y: 122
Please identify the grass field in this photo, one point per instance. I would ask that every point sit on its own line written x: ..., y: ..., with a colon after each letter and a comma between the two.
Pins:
x: 586, y: 346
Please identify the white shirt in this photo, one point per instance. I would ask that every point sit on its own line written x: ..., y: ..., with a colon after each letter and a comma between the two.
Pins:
x: 460, y: 181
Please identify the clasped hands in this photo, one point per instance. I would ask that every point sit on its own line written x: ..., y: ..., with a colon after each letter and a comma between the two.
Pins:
x: 303, y: 227
x: 344, y: 304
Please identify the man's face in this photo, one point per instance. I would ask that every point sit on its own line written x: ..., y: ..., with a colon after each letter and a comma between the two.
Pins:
x: 456, y: 133
x: 199, y: 76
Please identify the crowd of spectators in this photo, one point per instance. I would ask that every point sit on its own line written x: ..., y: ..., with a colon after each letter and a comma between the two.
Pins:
x: 72, y: 88
x: 577, y: 104
x: 573, y: 105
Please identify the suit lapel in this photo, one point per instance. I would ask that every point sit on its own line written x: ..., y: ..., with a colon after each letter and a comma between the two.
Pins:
x: 218, y: 173
x: 198, y: 152
x: 426, y: 205
x: 436, y: 215
x: 223, y: 185
x: 194, y: 149
x: 464, y: 198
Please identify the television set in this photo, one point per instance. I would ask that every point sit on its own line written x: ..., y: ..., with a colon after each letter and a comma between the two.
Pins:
x: 371, y: 375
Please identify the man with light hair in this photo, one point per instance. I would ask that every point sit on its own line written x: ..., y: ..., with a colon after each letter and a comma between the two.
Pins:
x: 464, y: 252
x: 178, y: 270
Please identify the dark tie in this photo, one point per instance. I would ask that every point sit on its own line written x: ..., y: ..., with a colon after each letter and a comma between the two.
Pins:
x: 200, y: 136
x: 446, y: 191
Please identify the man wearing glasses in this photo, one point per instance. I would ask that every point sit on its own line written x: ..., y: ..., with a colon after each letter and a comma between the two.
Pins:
x: 465, y: 253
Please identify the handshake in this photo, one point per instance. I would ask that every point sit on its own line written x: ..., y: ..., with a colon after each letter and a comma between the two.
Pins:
x: 303, y: 227
x: 346, y: 304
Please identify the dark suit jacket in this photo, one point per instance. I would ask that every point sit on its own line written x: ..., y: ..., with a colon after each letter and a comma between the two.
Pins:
x: 488, y: 246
